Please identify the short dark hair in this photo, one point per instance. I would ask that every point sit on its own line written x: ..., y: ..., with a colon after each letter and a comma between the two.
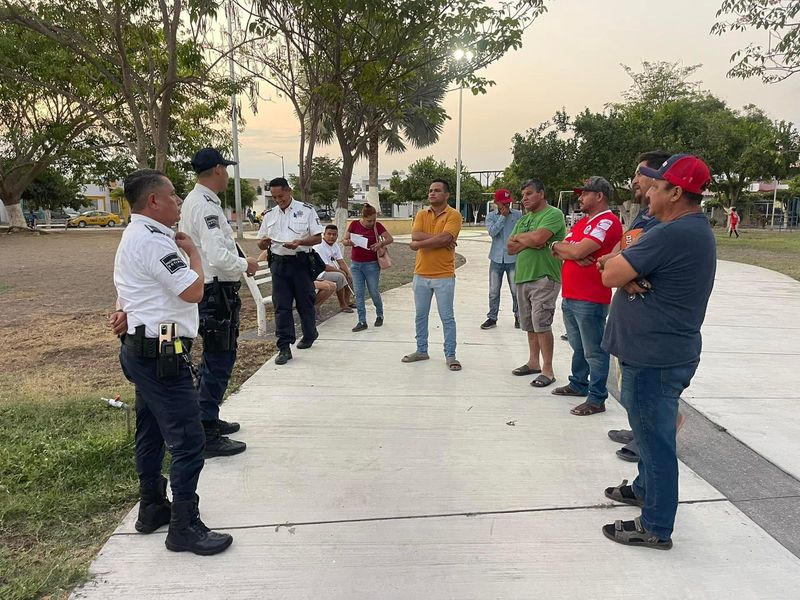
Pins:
x: 654, y: 159
x: 139, y: 184
x: 331, y: 226
x: 368, y: 210
x: 445, y: 184
x: 279, y: 182
x: 536, y: 184
x: 694, y: 198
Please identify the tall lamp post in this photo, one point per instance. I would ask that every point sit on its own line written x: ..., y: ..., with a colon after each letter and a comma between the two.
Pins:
x: 283, y: 172
x: 460, y: 55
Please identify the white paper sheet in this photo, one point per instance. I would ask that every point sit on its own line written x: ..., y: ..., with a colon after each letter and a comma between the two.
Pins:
x: 358, y: 240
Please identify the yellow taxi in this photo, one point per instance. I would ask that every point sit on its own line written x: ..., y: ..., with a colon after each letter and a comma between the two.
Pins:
x: 95, y: 217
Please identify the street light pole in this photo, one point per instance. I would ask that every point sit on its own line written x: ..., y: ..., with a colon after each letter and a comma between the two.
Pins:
x: 458, y: 156
x: 237, y: 183
x: 283, y: 171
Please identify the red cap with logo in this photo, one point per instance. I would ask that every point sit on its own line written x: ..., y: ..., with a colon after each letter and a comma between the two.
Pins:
x: 503, y: 196
x: 684, y: 170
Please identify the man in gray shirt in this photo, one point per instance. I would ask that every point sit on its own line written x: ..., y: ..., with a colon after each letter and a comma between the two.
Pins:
x: 500, y: 224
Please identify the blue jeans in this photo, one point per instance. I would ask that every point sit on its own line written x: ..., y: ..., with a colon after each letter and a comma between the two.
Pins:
x: 650, y: 396
x: 496, y: 271
x: 367, y: 274
x: 585, y: 323
x: 445, y: 290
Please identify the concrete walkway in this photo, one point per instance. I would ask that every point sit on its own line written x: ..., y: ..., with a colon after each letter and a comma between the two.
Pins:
x: 367, y: 478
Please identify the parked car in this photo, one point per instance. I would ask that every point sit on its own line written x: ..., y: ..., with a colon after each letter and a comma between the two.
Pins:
x: 62, y: 214
x: 324, y: 214
x: 95, y: 217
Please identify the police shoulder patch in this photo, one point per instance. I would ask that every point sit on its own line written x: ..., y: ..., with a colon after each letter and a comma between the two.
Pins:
x: 154, y: 229
x: 212, y: 221
x: 173, y: 262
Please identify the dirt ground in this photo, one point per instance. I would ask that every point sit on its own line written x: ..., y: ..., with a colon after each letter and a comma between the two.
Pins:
x: 55, y: 293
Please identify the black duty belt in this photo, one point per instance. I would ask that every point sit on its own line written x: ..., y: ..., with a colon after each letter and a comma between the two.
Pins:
x: 225, y: 285
x: 148, y: 347
x: 290, y: 257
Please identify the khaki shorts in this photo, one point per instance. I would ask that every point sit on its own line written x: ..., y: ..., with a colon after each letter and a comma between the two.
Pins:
x: 537, y: 304
x: 338, y: 278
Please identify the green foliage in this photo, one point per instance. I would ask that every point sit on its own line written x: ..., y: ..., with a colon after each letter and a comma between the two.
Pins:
x: 228, y: 197
x: 660, y: 82
x: 414, y: 188
x: 67, y: 473
x: 51, y: 190
x: 326, y: 174
x: 780, y: 22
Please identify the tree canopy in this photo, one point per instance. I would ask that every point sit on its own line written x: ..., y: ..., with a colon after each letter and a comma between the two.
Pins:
x: 414, y: 188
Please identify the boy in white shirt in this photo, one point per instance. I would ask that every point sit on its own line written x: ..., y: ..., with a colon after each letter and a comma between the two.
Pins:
x: 336, y: 269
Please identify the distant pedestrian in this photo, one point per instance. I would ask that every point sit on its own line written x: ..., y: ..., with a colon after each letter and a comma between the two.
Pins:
x: 538, y: 278
x: 733, y: 218
x: 656, y: 336
x: 585, y: 299
x: 433, y: 237
x: 499, y: 224
x: 366, y: 272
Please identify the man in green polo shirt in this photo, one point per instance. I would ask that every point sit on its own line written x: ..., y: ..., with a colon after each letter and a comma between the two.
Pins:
x: 538, y: 278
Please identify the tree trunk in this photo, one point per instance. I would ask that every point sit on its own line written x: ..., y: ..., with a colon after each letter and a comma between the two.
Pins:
x: 348, y: 162
x: 15, y: 216
x: 373, y: 196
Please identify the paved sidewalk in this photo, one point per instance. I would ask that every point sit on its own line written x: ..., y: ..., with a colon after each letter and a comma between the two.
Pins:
x: 366, y: 478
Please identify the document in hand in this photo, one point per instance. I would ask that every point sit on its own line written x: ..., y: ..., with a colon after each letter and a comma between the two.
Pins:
x: 358, y: 240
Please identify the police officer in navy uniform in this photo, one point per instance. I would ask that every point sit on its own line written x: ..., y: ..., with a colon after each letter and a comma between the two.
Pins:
x: 203, y: 219
x: 289, y: 231
x: 158, y: 292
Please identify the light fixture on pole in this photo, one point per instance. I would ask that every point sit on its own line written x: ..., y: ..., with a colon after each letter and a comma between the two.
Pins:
x: 460, y: 55
x: 283, y: 172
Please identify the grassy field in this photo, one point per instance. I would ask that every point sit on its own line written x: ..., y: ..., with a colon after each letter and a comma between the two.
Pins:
x: 779, y: 251
x: 67, y: 472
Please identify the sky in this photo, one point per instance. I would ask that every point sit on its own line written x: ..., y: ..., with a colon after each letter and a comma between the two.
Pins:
x: 570, y: 58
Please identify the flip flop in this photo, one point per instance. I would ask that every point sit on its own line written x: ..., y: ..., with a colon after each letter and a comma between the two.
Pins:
x: 525, y: 370
x: 543, y: 381
x: 567, y: 390
x: 453, y: 364
x: 621, y: 436
x: 414, y: 357
x: 629, y: 452
x: 587, y: 410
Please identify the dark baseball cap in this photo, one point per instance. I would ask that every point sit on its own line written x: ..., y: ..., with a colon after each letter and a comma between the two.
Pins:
x: 684, y: 170
x: 595, y: 183
x: 208, y: 158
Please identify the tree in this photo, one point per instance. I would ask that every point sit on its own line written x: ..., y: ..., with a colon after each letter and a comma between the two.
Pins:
x: 780, y: 20
x: 51, y: 190
x: 323, y: 185
x: 37, y: 126
x: 372, y: 50
x: 137, y: 61
x: 227, y: 198
x: 414, y: 188
x: 660, y: 82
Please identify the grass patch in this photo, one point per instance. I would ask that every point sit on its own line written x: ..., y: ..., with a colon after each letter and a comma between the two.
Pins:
x: 778, y: 251
x: 4, y: 287
x: 68, y: 477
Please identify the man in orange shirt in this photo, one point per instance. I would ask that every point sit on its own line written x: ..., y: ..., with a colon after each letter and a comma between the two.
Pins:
x: 433, y: 236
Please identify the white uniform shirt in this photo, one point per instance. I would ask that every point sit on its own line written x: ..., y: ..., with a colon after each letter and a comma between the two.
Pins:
x: 205, y: 222
x: 297, y: 222
x: 150, y: 273
x: 329, y: 254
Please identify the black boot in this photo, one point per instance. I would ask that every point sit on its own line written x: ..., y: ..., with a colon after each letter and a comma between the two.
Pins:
x: 154, y: 507
x: 187, y: 533
x: 219, y: 445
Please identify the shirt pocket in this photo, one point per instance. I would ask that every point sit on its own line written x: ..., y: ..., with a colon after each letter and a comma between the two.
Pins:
x: 297, y: 225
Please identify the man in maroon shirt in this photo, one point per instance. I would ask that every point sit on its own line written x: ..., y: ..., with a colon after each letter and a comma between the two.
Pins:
x: 585, y: 299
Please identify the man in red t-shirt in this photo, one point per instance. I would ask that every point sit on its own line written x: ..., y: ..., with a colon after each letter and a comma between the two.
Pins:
x: 585, y: 299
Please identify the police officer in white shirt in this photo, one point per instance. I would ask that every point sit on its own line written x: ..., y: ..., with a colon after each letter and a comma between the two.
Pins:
x: 159, y: 292
x: 203, y: 219
x: 288, y: 231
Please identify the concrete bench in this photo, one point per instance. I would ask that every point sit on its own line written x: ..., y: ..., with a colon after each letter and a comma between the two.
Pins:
x: 253, y: 283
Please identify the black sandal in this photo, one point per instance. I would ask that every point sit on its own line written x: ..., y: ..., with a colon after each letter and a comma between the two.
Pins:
x: 623, y: 493
x: 543, y: 381
x: 631, y: 533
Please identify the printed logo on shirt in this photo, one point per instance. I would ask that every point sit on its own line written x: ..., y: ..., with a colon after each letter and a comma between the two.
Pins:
x: 173, y: 263
x: 587, y: 229
x: 599, y: 234
x: 605, y: 224
x: 212, y: 221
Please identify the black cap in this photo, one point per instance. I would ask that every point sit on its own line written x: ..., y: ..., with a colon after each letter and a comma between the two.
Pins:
x: 208, y: 158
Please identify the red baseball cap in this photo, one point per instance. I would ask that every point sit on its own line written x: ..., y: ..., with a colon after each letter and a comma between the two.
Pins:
x: 684, y: 170
x: 503, y: 196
